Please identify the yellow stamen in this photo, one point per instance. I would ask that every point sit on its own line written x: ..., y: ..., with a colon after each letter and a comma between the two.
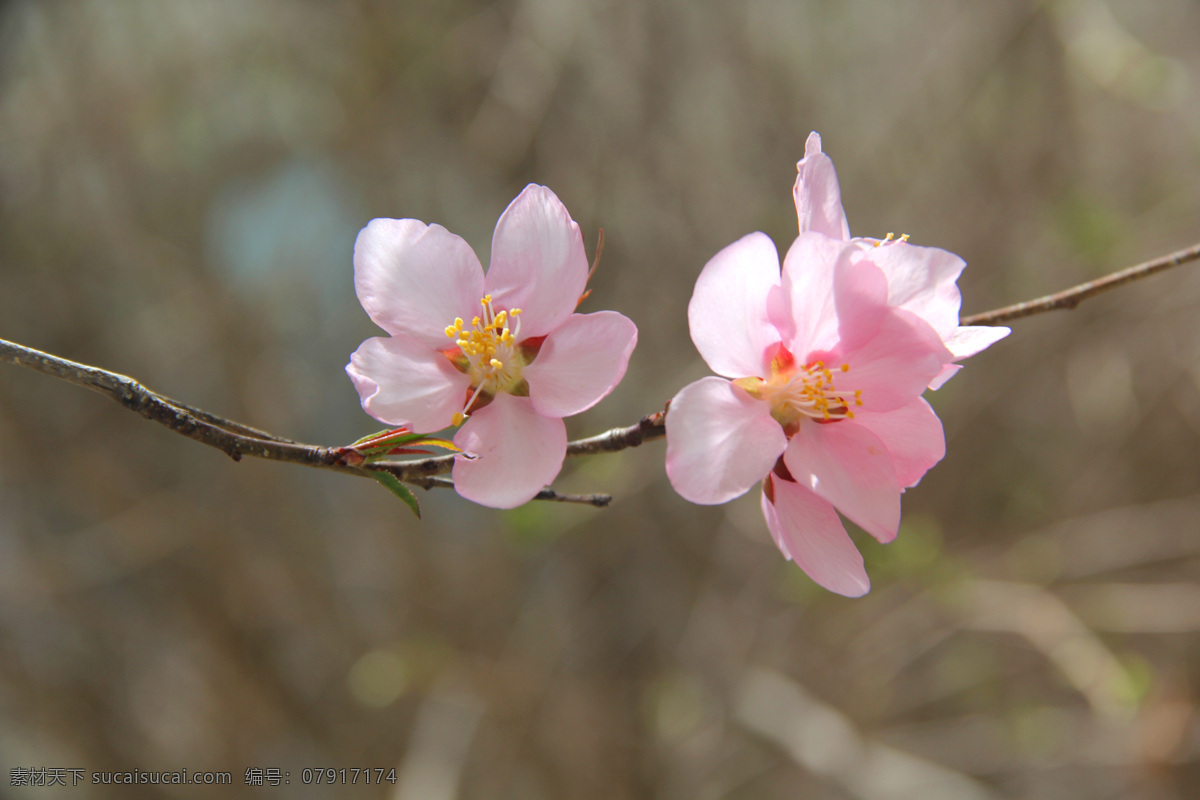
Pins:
x: 808, y: 392
x: 890, y: 238
x: 492, y: 357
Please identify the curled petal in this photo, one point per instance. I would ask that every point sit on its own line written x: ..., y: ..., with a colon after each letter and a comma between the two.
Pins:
x: 720, y: 441
x: 538, y: 261
x: 969, y: 340
x: 580, y: 362
x: 964, y: 342
x: 402, y: 382
x: 728, y: 315
x: 849, y: 466
x: 818, y: 196
x: 518, y: 452
x: 948, y: 372
x: 414, y: 279
x: 807, y: 530
x: 913, y: 436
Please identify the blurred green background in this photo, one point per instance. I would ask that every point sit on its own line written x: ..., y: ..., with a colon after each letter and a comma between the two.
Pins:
x: 180, y: 187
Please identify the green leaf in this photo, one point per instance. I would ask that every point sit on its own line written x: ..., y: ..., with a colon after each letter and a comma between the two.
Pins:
x: 393, y: 485
x: 396, y: 441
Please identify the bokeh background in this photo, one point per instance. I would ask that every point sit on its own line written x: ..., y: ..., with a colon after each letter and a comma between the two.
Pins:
x: 180, y: 187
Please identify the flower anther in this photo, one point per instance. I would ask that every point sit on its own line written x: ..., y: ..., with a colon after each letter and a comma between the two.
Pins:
x: 489, y: 354
x: 795, y: 393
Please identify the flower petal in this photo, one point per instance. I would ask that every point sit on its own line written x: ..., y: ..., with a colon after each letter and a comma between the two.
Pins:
x: 728, y: 314
x: 913, y: 436
x: 818, y: 196
x: 538, y: 261
x: 720, y: 441
x: 519, y: 451
x: 920, y: 280
x: 896, y: 364
x: 808, y: 283
x: 401, y: 381
x: 580, y: 362
x: 860, y: 293
x: 414, y: 278
x: 808, y: 531
x: 948, y: 372
x: 969, y: 340
x: 851, y: 467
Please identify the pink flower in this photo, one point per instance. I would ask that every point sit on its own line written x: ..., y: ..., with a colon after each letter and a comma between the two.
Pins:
x: 828, y: 359
x: 502, y: 354
x: 922, y: 280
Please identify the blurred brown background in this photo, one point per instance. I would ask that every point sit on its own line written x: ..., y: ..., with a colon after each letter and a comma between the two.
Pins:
x: 180, y: 187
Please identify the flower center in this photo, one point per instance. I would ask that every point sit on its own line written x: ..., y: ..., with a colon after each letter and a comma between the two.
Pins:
x: 809, y: 392
x: 491, y: 355
x: 795, y: 393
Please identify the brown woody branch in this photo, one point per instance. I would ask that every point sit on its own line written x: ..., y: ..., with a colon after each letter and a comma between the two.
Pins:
x: 237, y: 440
x: 1072, y: 297
x: 233, y: 438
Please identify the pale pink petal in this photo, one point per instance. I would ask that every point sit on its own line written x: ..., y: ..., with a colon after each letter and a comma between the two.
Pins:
x: 850, y: 467
x: 860, y: 293
x: 913, y: 436
x: 728, y: 314
x: 920, y: 280
x: 894, y: 366
x: 402, y: 382
x: 414, y: 278
x: 580, y: 362
x: 518, y: 452
x: 817, y: 194
x: 720, y: 441
x: 538, y: 261
x: 969, y: 340
x: 948, y: 372
x: 808, y: 283
x: 964, y: 342
x: 807, y: 530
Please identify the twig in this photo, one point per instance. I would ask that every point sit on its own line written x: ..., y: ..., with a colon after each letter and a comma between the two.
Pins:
x: 232, y: 438
x: 1072, y: 297
x: 597, y: 500
x: 237, y: 440
x: 649, y: 427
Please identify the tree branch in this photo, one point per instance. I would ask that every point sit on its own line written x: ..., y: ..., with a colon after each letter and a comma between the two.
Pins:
x: 237, y: 440
x: 649, y: 427
x: 1072, y: 297
x: 597, y: 500
x: 232, y: 438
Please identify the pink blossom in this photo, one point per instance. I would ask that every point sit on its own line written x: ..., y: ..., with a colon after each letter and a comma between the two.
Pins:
x: 504, y: 354
x: 823, y: 364
x: 922, y: 280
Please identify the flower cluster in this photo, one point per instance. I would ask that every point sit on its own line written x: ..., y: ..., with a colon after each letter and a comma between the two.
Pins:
x: 824, y: 363
x: 508, y: 376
